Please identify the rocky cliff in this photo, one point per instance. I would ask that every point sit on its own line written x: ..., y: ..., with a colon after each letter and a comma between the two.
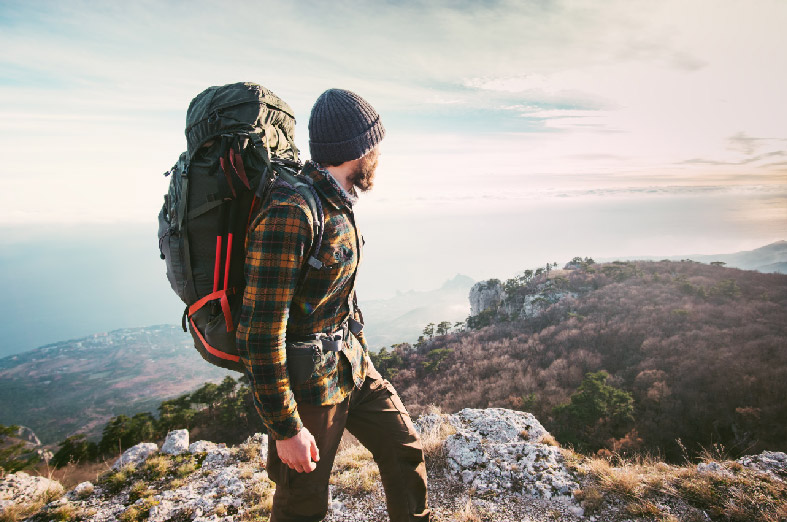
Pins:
x: 523, y: 300
x: 486, y: 295
x: 492, y: 464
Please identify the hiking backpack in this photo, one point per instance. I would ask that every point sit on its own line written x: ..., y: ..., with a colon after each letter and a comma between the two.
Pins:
x: 239, y: 141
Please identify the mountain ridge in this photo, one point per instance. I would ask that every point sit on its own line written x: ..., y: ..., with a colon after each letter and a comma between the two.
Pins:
x: 767, y: 258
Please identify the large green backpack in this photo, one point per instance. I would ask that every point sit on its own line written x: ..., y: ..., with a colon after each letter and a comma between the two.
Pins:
x: 239, y: 140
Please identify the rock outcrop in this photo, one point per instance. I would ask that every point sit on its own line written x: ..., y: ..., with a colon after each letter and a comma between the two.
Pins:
x: 26, y: 434
x: 20, y: 488
x: 486, y: 295
x: 526, y: 301
x: 504, y: 461
x: 204, y: 482
x: 498, y: 449
x: 773, y: 463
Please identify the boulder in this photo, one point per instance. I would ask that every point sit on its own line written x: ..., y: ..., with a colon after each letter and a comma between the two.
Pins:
x: 497, y: 449
x: 136, y: 455
x: 202, y: 446
x: 176, y: 443
x: 20, y: 488
x: 773, y: 463
x: 713, y: 468
x: 83, y: 489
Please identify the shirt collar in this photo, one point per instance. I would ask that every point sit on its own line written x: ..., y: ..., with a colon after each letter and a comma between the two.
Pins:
x: 328, y: 185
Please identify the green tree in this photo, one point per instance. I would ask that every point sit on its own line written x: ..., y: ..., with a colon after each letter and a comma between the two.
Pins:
x: 388, y: 363
x: 208, y: 395
x: 227, y: 388
x: 142, y: 428
x: 116, y: 435
x: 175, y: 414
x: 443, y: 327
x: 596, y: 413
x: 75, y: 448
x: 429, y: 331
x: 434, y: 358
x: 485, y: 318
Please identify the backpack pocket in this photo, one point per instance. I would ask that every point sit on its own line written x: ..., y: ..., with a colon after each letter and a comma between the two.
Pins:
x: 171, y: 251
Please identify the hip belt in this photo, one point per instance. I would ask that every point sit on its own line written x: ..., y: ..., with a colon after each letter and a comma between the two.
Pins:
x: 332, y: 342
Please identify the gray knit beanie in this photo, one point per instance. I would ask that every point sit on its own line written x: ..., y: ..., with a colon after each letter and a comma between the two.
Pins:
x: 343, y: 127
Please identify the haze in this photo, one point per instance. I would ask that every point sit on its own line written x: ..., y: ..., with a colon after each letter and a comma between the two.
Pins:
x: 519, y: 133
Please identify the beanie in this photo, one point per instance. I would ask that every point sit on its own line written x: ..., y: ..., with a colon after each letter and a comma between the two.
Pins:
x: 342, y: 127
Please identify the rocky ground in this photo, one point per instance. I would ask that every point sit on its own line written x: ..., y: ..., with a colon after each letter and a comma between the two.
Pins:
x: 483, y: 465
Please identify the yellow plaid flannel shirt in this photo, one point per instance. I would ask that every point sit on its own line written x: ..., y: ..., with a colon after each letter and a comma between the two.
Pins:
x: 277, y: 246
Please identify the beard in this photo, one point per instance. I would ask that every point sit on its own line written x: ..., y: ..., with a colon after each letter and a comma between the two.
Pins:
x: 363, y: 176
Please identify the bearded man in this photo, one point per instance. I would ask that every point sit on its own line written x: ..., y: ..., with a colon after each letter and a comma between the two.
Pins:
x: 300, y: 332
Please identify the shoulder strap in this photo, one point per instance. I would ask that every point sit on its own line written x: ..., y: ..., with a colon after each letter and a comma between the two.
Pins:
x: 283, y: 171
x: 305, y: 187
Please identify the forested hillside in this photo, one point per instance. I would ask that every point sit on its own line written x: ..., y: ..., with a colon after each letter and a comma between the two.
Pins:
x: 664, y: 357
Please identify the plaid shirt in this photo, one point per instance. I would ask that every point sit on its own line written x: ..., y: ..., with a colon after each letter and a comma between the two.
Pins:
x: 277, y: 247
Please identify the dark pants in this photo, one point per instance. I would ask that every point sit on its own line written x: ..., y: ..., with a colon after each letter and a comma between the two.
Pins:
x: 376, y: 416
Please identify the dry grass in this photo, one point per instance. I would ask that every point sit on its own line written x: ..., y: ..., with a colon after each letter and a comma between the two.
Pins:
x: 245, y: 472
x: 260, y: 499
x: 115, y: 481
x: 433, y: 440
x: 621, y: 480
x: 643, y: 508
x: 252, y: 452
x: 62, y: 513
x: 467, y: 513
x: 157, y: 466
x: 549, y: 440
x: 72, y: 474
x: 736, y: 494
x: 17, y: 512
x: 186, y: 467
x: 137, y: 513
x: 140, y: 490
x: 591, y: 497
x: 354, y: 470
x: 352, y: 455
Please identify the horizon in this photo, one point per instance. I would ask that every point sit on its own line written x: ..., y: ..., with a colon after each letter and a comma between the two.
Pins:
x: 518, y: 133
x: 166, y: 305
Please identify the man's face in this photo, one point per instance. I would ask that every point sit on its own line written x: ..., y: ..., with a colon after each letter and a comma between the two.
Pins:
x: 363, y: 176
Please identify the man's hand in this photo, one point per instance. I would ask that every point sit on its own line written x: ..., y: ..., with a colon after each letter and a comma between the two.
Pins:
x: 299, y: 451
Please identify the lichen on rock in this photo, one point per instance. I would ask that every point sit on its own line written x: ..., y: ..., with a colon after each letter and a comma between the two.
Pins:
x: 496, y: 449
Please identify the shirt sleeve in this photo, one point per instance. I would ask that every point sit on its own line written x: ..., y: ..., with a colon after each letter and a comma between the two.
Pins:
x: 275, y: 250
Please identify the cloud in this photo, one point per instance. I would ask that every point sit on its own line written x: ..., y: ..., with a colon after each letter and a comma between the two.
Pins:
x: 748, y: 145
x: 746, y: 161
x: 533, y: 89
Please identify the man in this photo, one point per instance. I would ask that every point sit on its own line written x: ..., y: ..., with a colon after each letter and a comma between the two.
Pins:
x: 310, y: 374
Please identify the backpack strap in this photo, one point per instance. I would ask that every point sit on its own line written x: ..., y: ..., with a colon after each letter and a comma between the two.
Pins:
x: 281, y: 170
x: 305, y: 187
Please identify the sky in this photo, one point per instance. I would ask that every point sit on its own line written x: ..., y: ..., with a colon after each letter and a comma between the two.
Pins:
x: 518, y: 132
